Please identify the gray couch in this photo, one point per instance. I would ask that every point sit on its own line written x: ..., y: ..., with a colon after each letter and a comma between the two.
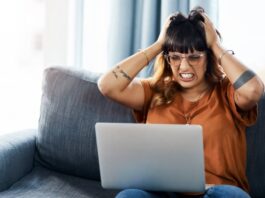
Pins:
x: 60, y: 158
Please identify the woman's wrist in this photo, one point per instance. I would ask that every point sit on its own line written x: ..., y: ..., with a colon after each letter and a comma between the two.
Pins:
x: 217, y: 50
x: 144, y: 53
x: 220, y: 52
x: 158, y: 46
x: 151, y: 52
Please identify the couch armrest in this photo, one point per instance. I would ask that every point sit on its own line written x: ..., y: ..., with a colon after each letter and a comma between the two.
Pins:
x: 16, y: 156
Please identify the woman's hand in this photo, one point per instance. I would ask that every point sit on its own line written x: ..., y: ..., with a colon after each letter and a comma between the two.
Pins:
x: 162, y: 35
x: 210, y: 31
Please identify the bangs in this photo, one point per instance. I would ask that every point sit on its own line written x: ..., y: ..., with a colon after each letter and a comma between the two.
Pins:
x: 185, y: 37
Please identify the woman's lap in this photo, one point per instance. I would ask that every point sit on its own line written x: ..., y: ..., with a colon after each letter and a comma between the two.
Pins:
x: 137, y: 193
x: 218, y: 191
x: 221, y: 191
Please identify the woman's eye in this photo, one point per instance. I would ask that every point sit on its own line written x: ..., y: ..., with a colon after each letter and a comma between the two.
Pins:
x: 175, y: 58
x: 194, y: 57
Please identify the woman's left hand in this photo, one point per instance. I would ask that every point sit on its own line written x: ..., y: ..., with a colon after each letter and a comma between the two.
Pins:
x: 210, y: 31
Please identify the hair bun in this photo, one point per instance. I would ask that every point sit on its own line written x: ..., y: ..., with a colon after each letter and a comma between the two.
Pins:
x: 198, y: 9
x: 196, y: 14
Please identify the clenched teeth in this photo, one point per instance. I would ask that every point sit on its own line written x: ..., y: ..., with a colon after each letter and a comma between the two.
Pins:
x: 186, y: 75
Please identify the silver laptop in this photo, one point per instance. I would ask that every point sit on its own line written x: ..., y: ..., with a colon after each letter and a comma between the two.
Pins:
x: 156, y: 157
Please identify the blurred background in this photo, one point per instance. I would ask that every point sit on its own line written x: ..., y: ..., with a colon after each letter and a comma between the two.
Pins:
x: 94, y: 35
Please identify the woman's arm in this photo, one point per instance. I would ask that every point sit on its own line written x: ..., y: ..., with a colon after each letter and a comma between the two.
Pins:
x: 248, y: 86
x: 120, y: 83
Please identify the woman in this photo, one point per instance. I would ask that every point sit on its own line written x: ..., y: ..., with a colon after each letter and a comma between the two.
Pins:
x: 196, y: 81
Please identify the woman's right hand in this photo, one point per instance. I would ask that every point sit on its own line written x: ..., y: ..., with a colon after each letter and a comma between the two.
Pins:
x: 162, y: 35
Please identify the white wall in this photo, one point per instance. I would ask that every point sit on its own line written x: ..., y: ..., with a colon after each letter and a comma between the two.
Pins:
x: 241, y: 24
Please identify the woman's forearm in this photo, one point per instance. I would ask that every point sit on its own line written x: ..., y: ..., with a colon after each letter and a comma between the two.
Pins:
x: 251, y: 86
x: 119, y: 77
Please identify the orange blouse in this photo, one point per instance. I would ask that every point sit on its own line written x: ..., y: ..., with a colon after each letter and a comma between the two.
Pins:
x: 223, y: 126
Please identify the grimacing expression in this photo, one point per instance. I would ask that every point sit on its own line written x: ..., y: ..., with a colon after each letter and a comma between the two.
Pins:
x: 188, y: 69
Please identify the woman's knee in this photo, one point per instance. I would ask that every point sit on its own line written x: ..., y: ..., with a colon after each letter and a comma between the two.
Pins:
x: 225, y: 191
x: 136, y: 193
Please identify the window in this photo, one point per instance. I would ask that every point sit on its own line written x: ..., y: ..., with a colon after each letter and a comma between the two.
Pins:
x: 22, y: 25
x: 35, y: 34
x: 242, y: 29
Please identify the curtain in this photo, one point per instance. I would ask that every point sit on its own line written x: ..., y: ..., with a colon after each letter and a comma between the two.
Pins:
x: 135, y: 24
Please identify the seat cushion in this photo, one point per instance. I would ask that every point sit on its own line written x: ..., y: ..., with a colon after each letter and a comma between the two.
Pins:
x: 43, y: 183
x: 256, y: 153
x: 71, y: 105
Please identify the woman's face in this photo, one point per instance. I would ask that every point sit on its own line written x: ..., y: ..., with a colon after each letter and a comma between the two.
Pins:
x: 188, y: 69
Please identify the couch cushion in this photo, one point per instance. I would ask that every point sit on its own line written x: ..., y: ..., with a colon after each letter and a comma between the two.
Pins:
x: 43, y: 183
x: 256, y: 153
x: 71, y: 105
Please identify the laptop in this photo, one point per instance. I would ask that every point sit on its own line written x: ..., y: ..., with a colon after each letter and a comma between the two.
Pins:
x: 155, y: 157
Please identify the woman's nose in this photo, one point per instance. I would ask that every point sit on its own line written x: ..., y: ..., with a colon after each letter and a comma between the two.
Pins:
x: 184, y: 64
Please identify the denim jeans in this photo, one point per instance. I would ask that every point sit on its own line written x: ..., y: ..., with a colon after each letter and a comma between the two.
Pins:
x: 218, y: 191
